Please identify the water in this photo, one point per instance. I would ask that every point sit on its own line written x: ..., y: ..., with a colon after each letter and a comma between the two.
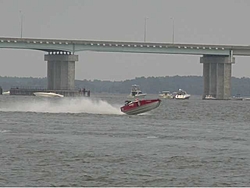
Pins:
x: 89, y: 142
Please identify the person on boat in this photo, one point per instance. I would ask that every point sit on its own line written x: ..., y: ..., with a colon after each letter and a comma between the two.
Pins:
x: 127, y: 102
x: 137, y: 102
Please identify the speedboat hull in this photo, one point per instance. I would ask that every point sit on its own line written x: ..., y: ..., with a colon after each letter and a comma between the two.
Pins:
x: 6, y: 93
x: 209, y: 97
x: 166, y: 96
x: 140, y: 106
x: 47, y: 94
x: 182, y: 97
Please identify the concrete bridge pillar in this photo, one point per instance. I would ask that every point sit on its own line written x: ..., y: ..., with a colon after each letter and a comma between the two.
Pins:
x: 217, y: 71
x: 60, y: 71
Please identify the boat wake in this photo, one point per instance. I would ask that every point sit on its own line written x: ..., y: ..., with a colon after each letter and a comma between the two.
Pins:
x: 64, y: 105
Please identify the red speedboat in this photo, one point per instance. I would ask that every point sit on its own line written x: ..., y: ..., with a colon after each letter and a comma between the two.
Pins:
x: 140, y: 106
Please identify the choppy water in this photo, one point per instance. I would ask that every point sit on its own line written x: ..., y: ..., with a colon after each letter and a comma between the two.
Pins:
x: 89, y: 142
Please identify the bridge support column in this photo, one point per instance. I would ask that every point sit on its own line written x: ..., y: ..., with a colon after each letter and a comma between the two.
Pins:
x: 217, y: 72
x: 61, y: 71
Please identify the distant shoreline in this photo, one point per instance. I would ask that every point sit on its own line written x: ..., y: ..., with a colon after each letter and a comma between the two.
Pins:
x: 150, y: 85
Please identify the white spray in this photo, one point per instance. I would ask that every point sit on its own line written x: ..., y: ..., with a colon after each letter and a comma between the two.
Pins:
x: 63, y: 105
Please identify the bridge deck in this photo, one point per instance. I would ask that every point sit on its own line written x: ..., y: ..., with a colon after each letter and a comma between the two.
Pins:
x: 72, y: 46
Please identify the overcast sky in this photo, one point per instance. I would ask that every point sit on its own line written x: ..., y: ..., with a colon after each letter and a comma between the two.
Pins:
x: 195, y: 21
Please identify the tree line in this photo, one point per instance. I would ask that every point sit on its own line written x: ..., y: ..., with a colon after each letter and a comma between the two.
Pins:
x: 150, y: 85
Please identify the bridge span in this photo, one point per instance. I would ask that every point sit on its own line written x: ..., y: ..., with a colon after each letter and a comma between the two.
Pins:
x: 60, y: 55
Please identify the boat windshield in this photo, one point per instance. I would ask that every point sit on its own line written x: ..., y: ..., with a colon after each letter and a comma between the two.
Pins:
x: 181, y: 92
x: 134, y: 93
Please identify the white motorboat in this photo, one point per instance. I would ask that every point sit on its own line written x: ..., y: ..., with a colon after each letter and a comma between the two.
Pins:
x: 237, y: 97
x: 166, y: 95
x: 209, y: 97
x: 181, y: 94
x: 6, y: 93
x: 47, y: 94
x: 136, y: 92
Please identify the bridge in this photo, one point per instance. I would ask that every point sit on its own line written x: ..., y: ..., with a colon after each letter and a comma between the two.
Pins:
x: 60, y: 55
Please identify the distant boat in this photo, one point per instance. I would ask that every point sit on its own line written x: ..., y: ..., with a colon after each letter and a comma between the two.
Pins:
x: 6, y: 93
x: 237, y: 97
x: 47, y: 94
x: 166, y: 95
x: 136, y: 92
x: 181, y: 94
x: 209, y: 97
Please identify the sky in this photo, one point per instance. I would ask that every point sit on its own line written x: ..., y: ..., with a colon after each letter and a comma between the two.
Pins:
x: 193, y: 21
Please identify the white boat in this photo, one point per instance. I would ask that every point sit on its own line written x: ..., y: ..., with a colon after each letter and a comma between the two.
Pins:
x: 47, y: 94
x: 136, y: 92
x: 237, y: 97
x: 181, y: 94
x: 6, y: 93
x: 166, y: 95
x: 209, y: 97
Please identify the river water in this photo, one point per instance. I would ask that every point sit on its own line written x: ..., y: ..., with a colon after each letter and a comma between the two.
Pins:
x: 89, y: 142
